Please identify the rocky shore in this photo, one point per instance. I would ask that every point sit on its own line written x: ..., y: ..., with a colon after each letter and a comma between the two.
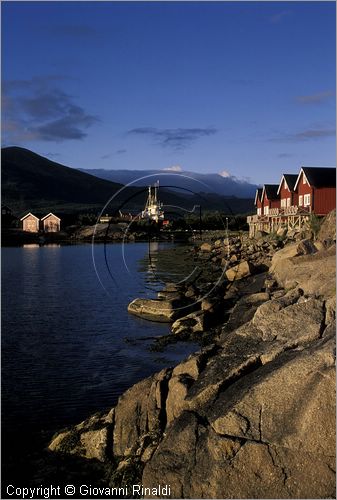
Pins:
x: 250, y: 415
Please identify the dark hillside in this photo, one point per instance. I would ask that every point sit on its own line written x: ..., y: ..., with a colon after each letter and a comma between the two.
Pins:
x: 32, y: 182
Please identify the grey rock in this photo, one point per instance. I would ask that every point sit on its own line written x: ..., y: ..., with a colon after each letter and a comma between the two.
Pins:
x: 140, y: 410
x: 206, y: 247
x: 280, y: 441
x: 164, y: 311
x: 240, y: 271
x: 306, y: 247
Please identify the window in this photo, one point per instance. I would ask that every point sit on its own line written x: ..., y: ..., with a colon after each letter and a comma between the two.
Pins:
x: 300, y: 200
x: 266, y: 210
x: 259, y: 211
x: 283, y: 202
x: 288, y: 202
x: 307, y: 200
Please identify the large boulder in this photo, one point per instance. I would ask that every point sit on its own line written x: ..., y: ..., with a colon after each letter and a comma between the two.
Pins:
x: 240, y: 271
x: 314, y: 274
x: 89, y: 439
x: 206, y: 247
x: 164, y: 311
x: 191, y: 323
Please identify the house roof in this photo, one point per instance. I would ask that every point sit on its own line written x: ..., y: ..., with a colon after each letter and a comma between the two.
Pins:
x: 318, y: 176
x: 258, y: 194
x: 271, y: 191
x: 27, y: 215
x: 290, y: 180
x: 48, y: 215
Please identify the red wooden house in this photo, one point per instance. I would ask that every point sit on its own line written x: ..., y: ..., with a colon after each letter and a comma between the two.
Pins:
x: 291, y: 203
x: 286, y: 191
x: 257, y: 201
x: 316, y: 189
x: 269, y: 198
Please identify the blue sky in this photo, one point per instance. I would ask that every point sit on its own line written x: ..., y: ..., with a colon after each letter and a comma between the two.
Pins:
x: 246, y: 88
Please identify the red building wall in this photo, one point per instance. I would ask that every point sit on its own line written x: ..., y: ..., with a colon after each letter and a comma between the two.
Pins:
x: 275, y: 203
x: 303, y: 189
x: 285, y: 193
x: 324, y: 200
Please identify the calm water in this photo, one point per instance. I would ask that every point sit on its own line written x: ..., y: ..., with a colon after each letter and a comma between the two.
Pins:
x: 64, y: 331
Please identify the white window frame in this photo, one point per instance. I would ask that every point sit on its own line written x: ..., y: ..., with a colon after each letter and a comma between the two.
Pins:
x: 300, y: 200
x: 307, y: 200
x: 259, y: 211
x: 288, y: 202
x: 266, y: 210
x: 283, y: 202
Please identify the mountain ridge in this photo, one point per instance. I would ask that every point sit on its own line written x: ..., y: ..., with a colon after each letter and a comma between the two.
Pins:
x: 210, y: 183
x: 33, y: 182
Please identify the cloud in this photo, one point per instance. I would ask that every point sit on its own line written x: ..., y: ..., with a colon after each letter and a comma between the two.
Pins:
x: 285, y: 155
x: 224, y: 173
x: 314, y: 134
x: 315, y: 98
x: 277, y: 18
x: 177, y: 139
x: 305, y: 135
x: 121, y: 151
x: 52, y: 155
x: 37, y: 110
x: 174, y: 168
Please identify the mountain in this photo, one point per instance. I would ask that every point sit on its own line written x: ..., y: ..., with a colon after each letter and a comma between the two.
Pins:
x: 31, y: 182
x: 208, y: 183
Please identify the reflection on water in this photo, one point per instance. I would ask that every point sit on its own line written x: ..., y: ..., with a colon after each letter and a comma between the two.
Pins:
x: 162, y: 267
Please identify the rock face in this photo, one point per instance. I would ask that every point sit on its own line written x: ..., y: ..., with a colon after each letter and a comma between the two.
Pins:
x: 327, y: 232
x: 315, y: 274
x: 257, y: 432
x: 250, y: 416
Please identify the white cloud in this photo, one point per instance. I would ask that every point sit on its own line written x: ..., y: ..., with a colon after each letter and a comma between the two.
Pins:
x: 174, y: 168
x: 225, y: 173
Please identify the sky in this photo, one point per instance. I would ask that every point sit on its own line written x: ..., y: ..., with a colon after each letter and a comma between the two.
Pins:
x: 239, y: 88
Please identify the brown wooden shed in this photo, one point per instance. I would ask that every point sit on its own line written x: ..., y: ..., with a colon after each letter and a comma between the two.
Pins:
x: 51, y: 223
x: 30, y: 223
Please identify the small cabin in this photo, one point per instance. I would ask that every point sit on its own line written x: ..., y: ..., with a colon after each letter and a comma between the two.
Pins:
x: 286, y: 191
x: 5, y: 210
x: 257, y: 201
x: 316, y: 188
x: 269, y: 198
x: 51, y: 223
x: 30, y: 223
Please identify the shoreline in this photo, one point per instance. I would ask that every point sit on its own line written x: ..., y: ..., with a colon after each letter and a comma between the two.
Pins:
x: 144, y: 435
